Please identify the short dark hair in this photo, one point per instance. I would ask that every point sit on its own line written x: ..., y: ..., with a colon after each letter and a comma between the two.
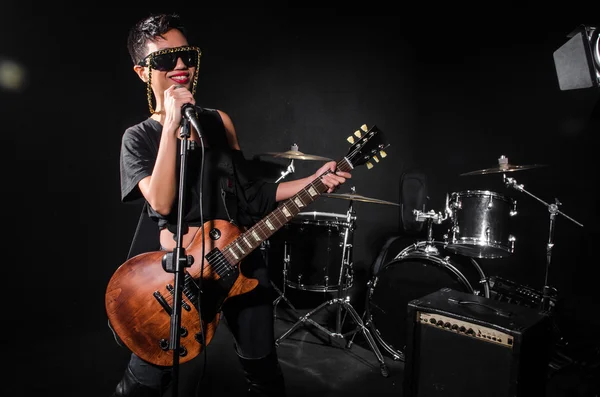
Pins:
x: 148, y: 29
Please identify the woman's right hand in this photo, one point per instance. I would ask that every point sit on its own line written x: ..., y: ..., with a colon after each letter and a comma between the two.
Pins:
x: 174, y: 99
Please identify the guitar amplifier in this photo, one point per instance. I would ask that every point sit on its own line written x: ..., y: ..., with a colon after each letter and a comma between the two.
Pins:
x: 460, y: 344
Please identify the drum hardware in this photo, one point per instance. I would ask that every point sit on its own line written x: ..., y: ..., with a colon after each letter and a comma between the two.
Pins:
x: 549, y: 294
x: 428, y: 247
x: 430, y: 217
x: 265, y: 245
x: 356, y: 197
x: 342, y: 303
x: 312, y: 244
x: 480, y: 222
x: 429, y: 256
x: 548, y: 291
x: 411, y: 275
x: 289, y: 170
x: 294, y: 154
x: 503, y: 167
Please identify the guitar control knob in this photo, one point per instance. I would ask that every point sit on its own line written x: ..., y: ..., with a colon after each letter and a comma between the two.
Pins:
x: 182, y: 351
x: 164, y: 344
x: 215, y: 234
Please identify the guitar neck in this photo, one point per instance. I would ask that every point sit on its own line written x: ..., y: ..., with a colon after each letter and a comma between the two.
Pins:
x: 242, y: 246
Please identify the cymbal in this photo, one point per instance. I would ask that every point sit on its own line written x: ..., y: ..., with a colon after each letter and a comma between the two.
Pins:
x: 295, y: 155
x: 357, y: 197
x: 503, y: 168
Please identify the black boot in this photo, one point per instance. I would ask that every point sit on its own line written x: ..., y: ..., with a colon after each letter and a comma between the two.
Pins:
x: 263, y: 375
x: 130, y: 387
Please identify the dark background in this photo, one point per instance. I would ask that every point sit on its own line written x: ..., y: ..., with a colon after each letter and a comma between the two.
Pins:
x: 451, y: 91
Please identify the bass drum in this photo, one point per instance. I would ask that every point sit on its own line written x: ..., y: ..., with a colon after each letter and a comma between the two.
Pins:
x: 413, y: 274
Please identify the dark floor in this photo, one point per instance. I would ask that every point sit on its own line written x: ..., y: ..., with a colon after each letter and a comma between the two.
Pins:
x: 90, y: 364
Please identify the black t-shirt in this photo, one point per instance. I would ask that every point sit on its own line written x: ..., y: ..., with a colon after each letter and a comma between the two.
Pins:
x: 232, y: 189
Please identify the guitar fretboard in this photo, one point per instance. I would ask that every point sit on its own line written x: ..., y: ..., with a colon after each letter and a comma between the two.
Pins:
x: 262, y: 230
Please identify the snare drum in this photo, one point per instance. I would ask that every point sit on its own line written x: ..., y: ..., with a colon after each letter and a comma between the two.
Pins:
x: 480, y: 224
x: 314, y: 245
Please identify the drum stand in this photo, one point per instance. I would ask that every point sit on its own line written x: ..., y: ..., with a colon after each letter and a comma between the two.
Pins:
x: 549, y: 294
x: 428, y: 247
x: 548, y: 291
x: 281, y: 294
x: 264, y: 247
x: 342, y: 303
x: 430, y: 217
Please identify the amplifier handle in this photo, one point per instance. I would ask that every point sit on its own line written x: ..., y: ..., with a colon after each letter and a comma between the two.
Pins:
x: 497, y: 311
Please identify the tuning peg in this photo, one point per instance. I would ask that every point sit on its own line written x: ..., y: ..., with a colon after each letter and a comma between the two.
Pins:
x: 364, y: 128
x: 382, y: 154
x: 357, y: 134
x: 369, y: 165
x: 376, y: 159
x: 350, y: 139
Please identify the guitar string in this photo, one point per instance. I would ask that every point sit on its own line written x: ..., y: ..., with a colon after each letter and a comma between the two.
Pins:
x: 226, y: 259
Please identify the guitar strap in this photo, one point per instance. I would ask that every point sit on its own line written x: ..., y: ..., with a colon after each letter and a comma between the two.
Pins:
x: 146, y: 237
x: 137, y: 230
x: 142, y: 241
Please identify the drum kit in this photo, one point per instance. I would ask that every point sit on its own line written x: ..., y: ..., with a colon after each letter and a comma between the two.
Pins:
x: 478, y: 227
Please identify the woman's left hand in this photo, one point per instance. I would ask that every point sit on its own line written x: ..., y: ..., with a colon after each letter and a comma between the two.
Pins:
x: 333, y: 180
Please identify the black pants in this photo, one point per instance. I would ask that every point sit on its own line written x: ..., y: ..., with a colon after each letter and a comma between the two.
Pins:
x: 248, y: 316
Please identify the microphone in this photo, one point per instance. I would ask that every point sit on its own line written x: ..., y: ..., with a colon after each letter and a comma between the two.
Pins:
x: 189, y: 112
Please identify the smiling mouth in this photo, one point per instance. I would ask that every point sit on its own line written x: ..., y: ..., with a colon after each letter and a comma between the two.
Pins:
x: 180, y: 79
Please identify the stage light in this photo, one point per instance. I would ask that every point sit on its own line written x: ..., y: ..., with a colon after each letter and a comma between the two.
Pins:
x: 12, y: 75
x: 577, y: 61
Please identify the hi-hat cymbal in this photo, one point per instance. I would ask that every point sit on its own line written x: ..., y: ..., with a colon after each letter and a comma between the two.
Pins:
x: 503, y: 168
x: 295, y: 155
x: 358, y: 197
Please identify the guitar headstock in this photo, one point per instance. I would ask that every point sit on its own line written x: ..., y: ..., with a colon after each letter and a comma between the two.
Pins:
x: 368, y: 146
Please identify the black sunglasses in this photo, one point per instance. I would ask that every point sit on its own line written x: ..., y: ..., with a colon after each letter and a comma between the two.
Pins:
x: 165, y: 60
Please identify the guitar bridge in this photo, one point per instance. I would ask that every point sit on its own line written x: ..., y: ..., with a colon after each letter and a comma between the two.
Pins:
x: 171, y: 289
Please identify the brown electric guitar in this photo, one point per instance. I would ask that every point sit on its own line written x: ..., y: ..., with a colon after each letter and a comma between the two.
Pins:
x: 140, y: 294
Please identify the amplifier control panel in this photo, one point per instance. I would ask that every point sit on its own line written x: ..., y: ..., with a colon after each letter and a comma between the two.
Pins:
x: 465, y: 328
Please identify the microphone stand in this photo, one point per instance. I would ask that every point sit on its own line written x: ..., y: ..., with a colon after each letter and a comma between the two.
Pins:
x: 177, y: 260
